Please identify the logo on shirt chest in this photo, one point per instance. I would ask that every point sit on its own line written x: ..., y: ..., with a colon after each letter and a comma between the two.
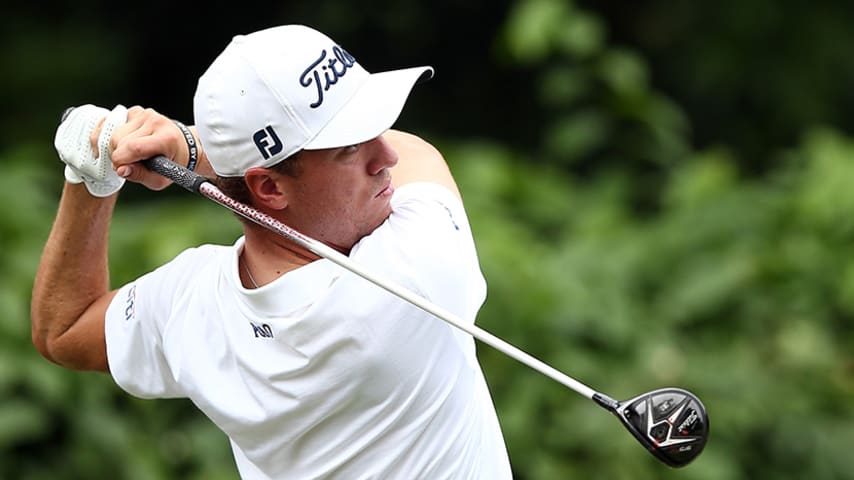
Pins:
x: 261, y: 331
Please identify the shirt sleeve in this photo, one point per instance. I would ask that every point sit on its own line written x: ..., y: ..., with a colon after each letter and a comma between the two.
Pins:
x: 134, y: 328
x: 428, y: 233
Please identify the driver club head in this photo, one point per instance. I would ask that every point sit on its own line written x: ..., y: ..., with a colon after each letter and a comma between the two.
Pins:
x: 670, y: 422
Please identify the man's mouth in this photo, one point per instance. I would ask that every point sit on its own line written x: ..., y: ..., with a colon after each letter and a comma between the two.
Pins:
x: 385, y: 192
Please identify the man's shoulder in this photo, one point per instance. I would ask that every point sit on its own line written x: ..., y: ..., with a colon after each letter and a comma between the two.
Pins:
x: 426, y: 193
x: 424, y: 206
x: 198, y: 260
x: 207, y: 251
x: 203, y: 253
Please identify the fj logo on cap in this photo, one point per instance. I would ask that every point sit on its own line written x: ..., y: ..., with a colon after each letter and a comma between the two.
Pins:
x: 323, y: 76
x: 267, y: 141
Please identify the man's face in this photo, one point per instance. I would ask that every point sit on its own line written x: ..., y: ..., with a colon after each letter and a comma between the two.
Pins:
x: 341, y: 194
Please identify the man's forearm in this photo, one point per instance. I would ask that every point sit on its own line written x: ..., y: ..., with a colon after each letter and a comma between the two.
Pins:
x: 73, y: 272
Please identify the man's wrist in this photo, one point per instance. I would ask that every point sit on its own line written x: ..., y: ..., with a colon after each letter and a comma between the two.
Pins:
x: 71, y: 175
x: 192, y: 146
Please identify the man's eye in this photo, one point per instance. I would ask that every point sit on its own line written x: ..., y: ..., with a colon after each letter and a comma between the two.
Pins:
x: 347, y: 153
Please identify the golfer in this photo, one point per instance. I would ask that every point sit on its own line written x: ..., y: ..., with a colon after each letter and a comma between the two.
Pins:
x: 311, y: 371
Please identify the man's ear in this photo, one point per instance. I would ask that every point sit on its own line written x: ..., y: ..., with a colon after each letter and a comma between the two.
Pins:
x: 265, y: 188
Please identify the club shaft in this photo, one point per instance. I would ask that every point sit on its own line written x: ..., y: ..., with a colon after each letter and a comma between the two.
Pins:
x: 194, y: 182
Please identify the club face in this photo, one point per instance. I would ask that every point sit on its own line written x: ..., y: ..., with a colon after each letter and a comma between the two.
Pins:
x: 671, y: 423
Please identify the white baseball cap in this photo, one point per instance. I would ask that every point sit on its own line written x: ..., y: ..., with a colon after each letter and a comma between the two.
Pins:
x: 277, y: 91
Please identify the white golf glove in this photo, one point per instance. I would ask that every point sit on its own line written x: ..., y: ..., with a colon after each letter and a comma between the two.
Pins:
x: 72, y: 144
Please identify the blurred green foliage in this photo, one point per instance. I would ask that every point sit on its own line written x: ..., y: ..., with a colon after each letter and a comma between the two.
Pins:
x: 655, y: 204
x: 737, y: 290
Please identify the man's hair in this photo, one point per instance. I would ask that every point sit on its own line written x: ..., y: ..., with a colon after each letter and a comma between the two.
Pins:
x: 235, y: 187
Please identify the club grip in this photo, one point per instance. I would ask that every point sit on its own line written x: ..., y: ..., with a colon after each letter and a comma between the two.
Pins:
x: 178, y: 174
x: 66, y: 113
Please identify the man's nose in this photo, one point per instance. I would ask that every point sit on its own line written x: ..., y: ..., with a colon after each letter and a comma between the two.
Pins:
x: 382, y: 155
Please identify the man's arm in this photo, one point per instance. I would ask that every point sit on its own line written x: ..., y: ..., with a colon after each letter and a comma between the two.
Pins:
x: 71, y: 290
x: 418, y: 162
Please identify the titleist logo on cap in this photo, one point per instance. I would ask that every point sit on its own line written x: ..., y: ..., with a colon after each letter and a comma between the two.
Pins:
x: 323, y: 75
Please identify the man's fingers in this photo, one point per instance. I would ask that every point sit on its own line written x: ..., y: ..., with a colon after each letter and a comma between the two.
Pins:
x: 137, y: 173
x: 134, y: 148
x: 93, y: 137
x: 130, y: 152
x: 134, y: 111
x: 145, y: 134
x: 135, y: 126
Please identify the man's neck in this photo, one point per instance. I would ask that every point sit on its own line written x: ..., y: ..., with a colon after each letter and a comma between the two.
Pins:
x: 266, y: 256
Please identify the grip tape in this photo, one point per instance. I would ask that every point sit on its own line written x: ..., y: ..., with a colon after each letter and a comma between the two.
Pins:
x: 178, y: 174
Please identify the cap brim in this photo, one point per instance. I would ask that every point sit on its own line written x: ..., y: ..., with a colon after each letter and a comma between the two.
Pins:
x: 372, y: 111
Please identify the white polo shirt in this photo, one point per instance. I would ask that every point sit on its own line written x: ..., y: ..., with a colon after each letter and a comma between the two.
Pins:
x: 321, y: 374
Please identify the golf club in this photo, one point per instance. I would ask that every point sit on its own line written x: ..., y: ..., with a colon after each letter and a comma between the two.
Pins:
x: 671, y: 422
